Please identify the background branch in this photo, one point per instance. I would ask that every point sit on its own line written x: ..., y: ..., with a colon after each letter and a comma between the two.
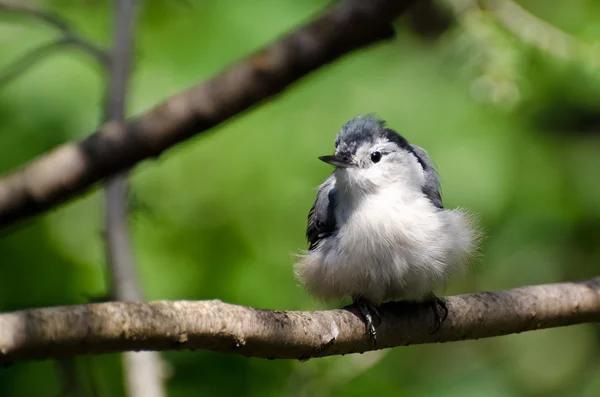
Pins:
x: 71, y: 382
x: 72, y: 168
x: 142, y: 371
x: 47, y: 17
x: 22, y: 64
x: 532, y: 30
x: 119, y: 253
x: 68, y: 38
x: 214, y: 325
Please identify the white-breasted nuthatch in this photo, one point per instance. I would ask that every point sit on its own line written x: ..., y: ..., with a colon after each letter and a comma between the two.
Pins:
x: 378, y: 230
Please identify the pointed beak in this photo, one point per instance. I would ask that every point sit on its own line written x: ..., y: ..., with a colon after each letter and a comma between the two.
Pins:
x: 338, y: 161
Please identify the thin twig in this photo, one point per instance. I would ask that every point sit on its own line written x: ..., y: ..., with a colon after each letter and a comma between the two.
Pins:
x: 214, y: 325
x: 533, y: 30
x: 21, y: 65
x: 25, y: 62
x: 47, y: 17
x: 119, y: 254
x: 72, y: 168
x: 142, y: 371
x: 68, y: 38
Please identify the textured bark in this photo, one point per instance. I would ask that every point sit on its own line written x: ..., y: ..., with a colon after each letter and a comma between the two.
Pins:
x: 72, y: 168
x: 214, y: 325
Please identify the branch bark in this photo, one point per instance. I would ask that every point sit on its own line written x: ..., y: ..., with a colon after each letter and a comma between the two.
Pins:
x: 214, y: 325
x: 72, y: 168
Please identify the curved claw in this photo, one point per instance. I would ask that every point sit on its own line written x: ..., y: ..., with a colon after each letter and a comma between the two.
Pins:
x: 368, y: 312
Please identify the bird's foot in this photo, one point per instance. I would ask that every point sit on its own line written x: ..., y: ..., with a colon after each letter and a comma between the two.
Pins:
x: 368, y: 313
x: 440, y: 311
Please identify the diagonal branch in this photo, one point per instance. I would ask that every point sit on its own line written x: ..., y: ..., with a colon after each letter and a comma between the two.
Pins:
x: 72, y: 168
x: 214, y: 325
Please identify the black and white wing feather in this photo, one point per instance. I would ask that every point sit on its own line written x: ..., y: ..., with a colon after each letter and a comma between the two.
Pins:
x: 321, y: 217
x: 431, y: 187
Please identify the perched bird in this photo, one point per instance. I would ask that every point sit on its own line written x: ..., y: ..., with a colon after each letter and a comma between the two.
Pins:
x: 378, y: 229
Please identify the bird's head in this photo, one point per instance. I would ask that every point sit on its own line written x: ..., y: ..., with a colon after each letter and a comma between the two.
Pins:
x: 369, y: 156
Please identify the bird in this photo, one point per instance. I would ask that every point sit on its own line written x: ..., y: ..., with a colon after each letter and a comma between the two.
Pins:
x: 378, y: 229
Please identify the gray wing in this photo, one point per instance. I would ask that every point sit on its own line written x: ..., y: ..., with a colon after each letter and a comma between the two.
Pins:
x: 321, y: 217
x: 431, y: 187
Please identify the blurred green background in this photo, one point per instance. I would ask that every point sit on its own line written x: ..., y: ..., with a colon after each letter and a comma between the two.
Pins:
x: 514, y: 131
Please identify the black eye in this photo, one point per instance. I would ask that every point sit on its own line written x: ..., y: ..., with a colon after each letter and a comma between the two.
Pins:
x: 375, y: 157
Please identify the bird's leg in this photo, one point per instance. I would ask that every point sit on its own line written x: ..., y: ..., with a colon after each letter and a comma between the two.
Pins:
x: 368, y: 312
x: 440, y: 311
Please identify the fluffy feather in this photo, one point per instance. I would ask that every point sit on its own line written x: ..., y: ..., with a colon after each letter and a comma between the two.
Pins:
x: 379, y: 231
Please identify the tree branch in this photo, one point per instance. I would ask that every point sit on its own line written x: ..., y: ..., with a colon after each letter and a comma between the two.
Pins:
x: 119, y: 254
x: 72, y: 168
x: 22, y: 64
x: 532, y: 30
x: 214, y: 325
x: 142, y: 371
x: 68, y: 38
x: 48, y: 18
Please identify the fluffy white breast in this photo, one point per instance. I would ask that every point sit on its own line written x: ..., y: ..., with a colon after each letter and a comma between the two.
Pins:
x: 392, y: 244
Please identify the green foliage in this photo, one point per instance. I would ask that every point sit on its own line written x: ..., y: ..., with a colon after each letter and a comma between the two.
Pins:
x: 222, y: 215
